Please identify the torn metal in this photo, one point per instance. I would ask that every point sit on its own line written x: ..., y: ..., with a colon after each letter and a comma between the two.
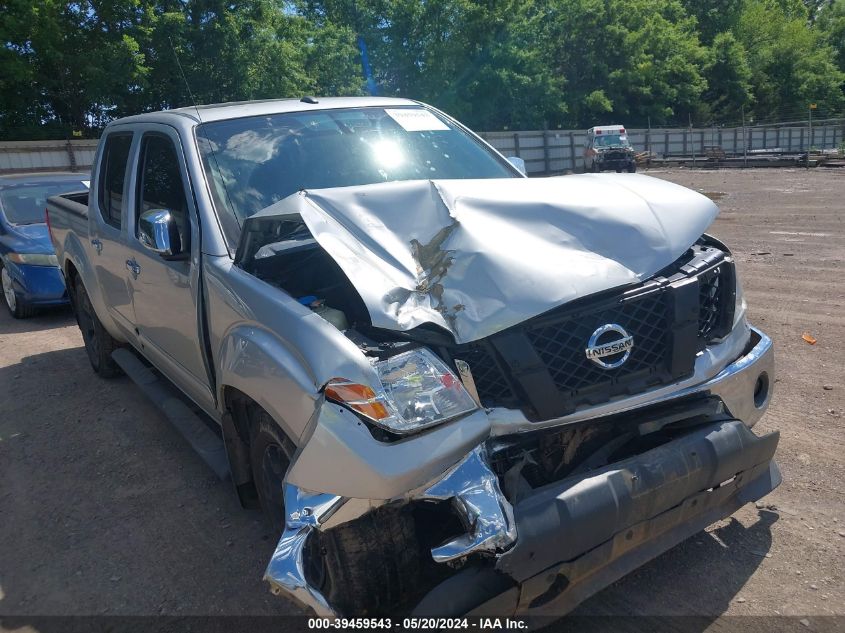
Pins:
x: 286, y: 569
x: 476, y: 496
x: 478, y: 256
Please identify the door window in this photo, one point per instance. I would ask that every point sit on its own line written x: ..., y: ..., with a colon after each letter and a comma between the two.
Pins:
x: 113, y: 177
x: 160, y: 184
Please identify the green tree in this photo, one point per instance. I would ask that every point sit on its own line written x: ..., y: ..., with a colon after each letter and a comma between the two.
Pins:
x: 491, y: 63
x: 831, y: 24
x: 626, y: 60
x: 20, y: 103
x: 728, y: 76
x: 228, y: 51
x: 480, y: 60
x: 714, y: 16
x: 791, y: 63
x: 68, y: 62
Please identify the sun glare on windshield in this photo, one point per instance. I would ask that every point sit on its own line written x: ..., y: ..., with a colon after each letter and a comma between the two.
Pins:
x: 388, y: 154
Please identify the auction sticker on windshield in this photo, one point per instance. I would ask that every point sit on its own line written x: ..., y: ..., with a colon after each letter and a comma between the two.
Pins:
x: 416, y: 120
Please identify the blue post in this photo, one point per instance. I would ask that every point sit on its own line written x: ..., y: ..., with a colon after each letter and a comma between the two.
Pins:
x: 365, y: 66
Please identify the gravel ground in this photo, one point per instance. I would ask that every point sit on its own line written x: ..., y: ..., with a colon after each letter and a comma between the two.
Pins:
x: 105, y: 510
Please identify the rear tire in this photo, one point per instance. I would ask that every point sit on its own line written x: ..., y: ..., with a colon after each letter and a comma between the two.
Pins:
x: 270, y: 455
x: 632, y: 168
x: 16, y: 307
x: 99, y: 344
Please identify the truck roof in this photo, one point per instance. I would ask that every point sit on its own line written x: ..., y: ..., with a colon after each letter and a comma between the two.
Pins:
x: 239, y: 109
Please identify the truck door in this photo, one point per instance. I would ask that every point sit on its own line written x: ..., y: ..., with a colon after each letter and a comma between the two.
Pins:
x: 107, y: 205
x: 165, y: 287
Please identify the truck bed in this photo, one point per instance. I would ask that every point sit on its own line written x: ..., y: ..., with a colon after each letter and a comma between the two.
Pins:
x: 67, y: 215
x: 75, y: 203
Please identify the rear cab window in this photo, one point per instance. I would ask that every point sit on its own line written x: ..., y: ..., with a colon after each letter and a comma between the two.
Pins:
x: 112, y: 183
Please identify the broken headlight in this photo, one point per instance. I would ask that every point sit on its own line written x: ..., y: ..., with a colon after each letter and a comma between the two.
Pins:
x: 417, y: 391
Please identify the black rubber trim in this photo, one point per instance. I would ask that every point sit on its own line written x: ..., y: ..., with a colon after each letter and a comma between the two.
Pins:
x: 208, y: 445
x: 683, y: 338
x: 558, y: 590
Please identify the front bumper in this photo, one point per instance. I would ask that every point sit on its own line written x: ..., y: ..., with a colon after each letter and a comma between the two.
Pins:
x: 615, y: 161
x: 581, y: 534
x: 573, y: 537
x: 38, y: 285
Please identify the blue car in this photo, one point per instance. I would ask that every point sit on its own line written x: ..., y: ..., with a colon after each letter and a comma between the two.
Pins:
x: 29, y: 270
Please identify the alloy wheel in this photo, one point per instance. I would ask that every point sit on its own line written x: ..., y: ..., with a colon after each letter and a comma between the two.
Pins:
x: 8, y: 291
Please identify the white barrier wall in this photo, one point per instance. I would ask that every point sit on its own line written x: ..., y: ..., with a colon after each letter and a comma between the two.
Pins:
x: 32, y: 156
x: 549, y: 152
x: 557, y: 151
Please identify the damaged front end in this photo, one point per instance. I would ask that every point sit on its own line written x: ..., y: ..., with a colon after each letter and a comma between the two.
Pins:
x: 559, y: 391
x: 518, y: 516
x: 522, y: 523
x: 477, y: 510
x: 488, y: 537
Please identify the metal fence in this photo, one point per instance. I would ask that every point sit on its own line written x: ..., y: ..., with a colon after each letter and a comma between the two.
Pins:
x: 559, y: 151
x: 544, y: 152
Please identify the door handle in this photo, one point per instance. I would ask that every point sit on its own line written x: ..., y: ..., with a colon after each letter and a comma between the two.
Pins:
x: 133, y: 267
x: 98, y: 245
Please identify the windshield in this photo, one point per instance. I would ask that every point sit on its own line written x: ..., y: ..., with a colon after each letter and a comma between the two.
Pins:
x: 255, y: 161
x: 611, y: 140
x: 25, y: 204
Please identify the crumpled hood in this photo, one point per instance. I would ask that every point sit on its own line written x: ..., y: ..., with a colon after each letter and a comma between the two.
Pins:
x: 478, y: 256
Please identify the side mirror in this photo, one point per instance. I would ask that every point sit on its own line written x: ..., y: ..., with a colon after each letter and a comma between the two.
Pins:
x: 517, y: 162
x: 158, y: 232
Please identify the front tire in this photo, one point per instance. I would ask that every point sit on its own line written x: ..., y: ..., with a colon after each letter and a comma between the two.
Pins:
x: 17, y: 308
x: 270, y: 455
x: 99, y: 344
x: 632, y: 168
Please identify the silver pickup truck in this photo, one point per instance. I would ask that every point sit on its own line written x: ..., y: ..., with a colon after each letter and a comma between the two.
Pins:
x: 452, y: 389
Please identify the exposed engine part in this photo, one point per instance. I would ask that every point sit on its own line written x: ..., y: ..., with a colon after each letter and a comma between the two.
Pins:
x: 282, y: 252
x: 527, y: 461
x: 318, y: 306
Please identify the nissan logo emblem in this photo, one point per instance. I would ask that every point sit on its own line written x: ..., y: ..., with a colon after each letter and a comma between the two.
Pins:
x: 610, y: 342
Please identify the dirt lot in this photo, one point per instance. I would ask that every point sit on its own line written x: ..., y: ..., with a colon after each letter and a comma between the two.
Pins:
x: 104, y: 509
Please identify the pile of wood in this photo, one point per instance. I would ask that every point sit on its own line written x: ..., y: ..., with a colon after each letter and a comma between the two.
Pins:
x: 715, y: 156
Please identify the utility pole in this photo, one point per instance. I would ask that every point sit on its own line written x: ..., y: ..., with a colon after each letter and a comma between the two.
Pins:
x: 744, y: 143
x: 810, y: 132
x: 692, y: 138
